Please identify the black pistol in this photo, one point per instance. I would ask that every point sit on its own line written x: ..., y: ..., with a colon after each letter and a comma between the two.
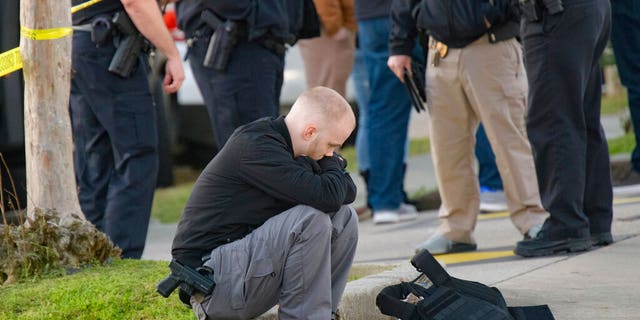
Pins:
x: 132, y: 43
x: 223, y: 39
x: 188, y: 279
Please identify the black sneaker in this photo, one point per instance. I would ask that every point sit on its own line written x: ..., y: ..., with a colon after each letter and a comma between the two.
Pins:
x: 541, y: 246
x: 601, y: 239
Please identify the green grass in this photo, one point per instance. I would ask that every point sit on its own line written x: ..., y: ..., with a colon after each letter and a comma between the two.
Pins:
x: 623, y: 144
x: 126, y: 289
x: 169, y: 202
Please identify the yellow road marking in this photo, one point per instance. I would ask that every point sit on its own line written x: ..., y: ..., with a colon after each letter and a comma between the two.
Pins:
x: 495, y: 215
x: 453, y: 258
x: 626, y: 200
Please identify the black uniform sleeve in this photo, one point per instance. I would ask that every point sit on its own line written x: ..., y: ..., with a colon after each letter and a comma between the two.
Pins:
x: 270, y: 168
x: 403, y: 27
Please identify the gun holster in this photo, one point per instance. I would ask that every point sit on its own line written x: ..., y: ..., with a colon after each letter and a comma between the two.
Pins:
x: 101, y: 30
x: 531, y: 10
x: 221, y: 44
x: 185, y: 296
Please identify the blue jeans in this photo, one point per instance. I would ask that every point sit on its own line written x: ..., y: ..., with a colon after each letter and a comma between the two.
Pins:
x: 625, y: 38
x: 488, y: 174
x: 387, y: 117
x: 361, y: 86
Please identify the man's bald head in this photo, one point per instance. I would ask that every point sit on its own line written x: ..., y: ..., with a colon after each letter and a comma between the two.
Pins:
x: 323, y: 113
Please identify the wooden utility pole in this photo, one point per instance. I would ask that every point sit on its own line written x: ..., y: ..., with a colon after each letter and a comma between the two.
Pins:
x: 45, y: 48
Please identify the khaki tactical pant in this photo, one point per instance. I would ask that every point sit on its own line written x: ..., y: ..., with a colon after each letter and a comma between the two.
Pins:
x: 328, y: 62
x: 481, y: 82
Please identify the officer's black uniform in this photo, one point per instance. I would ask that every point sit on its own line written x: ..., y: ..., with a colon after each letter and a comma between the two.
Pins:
x: 114, y: 135
x: 563, y: 124
x: 249, y: 87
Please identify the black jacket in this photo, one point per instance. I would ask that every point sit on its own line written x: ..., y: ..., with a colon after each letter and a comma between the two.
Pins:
x: 453, y: 22
x: 253, y: 178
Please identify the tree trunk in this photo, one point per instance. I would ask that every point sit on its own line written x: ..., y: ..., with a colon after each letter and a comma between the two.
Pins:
x: 48, y: 143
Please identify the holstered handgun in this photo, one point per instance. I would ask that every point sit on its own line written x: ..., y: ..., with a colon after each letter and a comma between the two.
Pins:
x: 131, y: 44
x: 223, y: 39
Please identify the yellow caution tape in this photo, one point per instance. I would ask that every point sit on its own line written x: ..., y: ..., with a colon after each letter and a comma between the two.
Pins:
x: 83, y: 5
x: 45, y: 34
x: 10, y: 61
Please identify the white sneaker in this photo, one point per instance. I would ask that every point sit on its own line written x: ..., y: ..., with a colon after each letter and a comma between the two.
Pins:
x: 492, y: 201
x: 407, y: 207
x: 385, y: 216
x: 404, y: 213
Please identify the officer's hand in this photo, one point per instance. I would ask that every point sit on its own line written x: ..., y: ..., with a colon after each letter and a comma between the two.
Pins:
x: 398, y: 63
x: 174, y: 75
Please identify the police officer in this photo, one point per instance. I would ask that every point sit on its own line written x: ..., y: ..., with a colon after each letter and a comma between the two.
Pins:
x: 563, y: 41
x: 247, y: 86
x: 479, y: 77
x: 113, y: 120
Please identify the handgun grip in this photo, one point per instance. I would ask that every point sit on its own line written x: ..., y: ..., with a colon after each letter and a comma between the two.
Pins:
x: 126, y: 55
x: 167, y: 286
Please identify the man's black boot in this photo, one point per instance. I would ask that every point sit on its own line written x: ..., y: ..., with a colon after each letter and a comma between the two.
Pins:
x: 543, y: 245
x: 601, y: 239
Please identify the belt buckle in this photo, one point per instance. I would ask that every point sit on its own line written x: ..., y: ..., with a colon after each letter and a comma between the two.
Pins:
x: 441, y: 51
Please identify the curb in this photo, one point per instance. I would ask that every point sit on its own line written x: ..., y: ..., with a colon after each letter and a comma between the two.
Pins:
x: 359, y: 298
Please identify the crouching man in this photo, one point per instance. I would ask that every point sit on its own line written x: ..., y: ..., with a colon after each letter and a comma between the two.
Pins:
x: 268, y: 216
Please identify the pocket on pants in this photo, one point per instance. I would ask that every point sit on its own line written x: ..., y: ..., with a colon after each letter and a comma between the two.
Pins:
x: 258, y: 277
x: 135, y: 126
x: 250, y: 278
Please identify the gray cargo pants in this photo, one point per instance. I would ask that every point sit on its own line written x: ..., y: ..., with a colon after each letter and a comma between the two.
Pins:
x: 299, y: 259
